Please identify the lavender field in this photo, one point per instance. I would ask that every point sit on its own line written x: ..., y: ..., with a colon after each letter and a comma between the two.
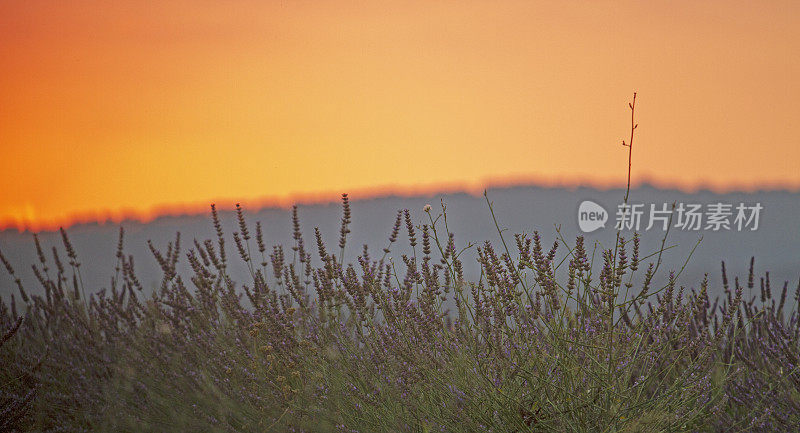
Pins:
x: 553, y: 334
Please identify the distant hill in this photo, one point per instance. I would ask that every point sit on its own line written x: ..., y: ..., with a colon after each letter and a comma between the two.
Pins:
x: 775, y: 245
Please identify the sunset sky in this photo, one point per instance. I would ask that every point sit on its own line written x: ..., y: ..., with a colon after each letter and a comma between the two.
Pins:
x: 133, y: 109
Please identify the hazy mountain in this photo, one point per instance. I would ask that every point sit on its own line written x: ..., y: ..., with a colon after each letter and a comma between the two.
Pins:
x: 775, y: 244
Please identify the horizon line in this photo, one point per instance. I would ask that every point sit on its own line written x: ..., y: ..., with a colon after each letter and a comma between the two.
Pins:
x: 255, y: 204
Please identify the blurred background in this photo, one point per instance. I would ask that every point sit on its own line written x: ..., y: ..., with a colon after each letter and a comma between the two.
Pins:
x: 144, y: 113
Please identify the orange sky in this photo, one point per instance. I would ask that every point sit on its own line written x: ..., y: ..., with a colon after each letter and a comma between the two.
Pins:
x: 135, y: 108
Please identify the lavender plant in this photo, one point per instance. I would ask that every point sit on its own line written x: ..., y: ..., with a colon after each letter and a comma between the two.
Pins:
x: 318, y: 344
